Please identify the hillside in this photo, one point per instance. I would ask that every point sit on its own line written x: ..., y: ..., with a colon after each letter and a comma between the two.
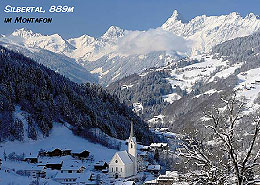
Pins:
x: 175, y: 95
x: 48, y: 97
x: 57, y: 62
x: 57, y: 139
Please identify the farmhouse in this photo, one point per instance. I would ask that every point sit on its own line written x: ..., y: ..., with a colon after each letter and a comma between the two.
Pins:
x: 52, y: 165
x: 71, y: 179
x: 101, y: 165
x: 168, y: 179
x: 66, y: 152
x: 159, y: 146
x: 35, y: 172
x: 124, y: 164
x: 80, y: 155
x: 55, y: 153
x: 31, y: 159
x: 73, y: 169
x: 155, y: 169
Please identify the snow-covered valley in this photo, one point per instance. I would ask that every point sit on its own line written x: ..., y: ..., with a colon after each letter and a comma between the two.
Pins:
x: 163, y: 78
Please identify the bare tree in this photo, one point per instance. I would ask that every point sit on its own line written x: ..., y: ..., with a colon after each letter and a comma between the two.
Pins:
x: 226, y: 147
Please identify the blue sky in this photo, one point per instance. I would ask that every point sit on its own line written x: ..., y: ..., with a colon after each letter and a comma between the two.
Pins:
x: 93, y: 17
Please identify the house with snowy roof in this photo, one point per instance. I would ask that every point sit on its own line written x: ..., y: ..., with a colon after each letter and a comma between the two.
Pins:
x: 35, y: 171
x: 31, y: 159
x: 52, y: 164
x: 80, y: 154
x: 73, y: 169
x: 155, y: 169
x: 74, y: 178
x: 168, y: 179
x: 124, y: 163
x: 159, y: 146
x: 101, y: 165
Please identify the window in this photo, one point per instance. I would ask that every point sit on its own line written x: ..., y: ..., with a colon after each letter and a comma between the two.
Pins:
x: 121, y: 169
x: 131, y: 145
x: 116, y: 169
x: 112, y: 169
x: 116, y: 161
x: 70, y: 171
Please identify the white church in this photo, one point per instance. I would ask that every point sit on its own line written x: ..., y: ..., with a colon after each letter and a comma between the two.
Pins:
x: 123, y: 163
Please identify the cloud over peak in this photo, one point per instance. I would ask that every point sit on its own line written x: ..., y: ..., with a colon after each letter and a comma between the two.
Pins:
x: 144, y: 42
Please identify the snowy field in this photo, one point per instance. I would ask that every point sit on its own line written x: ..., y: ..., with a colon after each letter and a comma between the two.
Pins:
x: 62, y: 138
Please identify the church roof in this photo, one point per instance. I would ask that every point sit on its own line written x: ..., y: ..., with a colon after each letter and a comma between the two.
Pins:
x: 125, y: 157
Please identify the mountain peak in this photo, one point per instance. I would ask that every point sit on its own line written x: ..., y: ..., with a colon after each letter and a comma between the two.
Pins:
x: 251, y: 16
x: 113, y: 32
x: 175, y: 14
x: 234, y: 14
x: 25, y: 33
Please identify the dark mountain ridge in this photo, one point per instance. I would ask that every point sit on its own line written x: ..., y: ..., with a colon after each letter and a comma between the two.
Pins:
x: 48, y: 96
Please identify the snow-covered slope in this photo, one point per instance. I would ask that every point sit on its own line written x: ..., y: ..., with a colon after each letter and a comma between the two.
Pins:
x: 206, y: 32
x: 57, y: 62
x: 118, y: 53
x: 82, y: 48
x: 57, y: 139
x: 91, y: 49
x: 195, y: 83
x: 54, y: 43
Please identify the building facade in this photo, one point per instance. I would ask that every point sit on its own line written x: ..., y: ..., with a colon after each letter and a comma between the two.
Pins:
x: 124, y: 163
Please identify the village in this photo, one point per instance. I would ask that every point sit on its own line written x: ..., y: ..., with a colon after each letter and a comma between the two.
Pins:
x: 62, y: 165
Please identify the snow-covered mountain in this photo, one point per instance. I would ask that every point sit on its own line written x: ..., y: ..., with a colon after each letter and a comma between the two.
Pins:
x: 208, y: 31
x: 59, y: 63
x: 29, y: 39
x: 118, y: 53
x: 174, y: 95
x: 82, y: 48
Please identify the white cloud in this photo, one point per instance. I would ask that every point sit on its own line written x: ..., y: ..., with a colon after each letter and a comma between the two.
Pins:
x: 144, y: 42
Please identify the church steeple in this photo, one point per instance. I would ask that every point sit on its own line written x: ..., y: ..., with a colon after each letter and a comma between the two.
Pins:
x: 132, y: 148
x: 132, y: 130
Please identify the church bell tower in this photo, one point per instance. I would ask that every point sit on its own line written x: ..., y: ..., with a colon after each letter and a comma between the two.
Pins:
x: 132, y: 148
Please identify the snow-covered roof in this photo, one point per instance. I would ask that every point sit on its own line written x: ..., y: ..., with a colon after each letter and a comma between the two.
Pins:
x: 78, y: 151
x: 164, y: 129
x: 124, y: 183
x: 144, y: 147
x: 73, y: 175
x: 143, y: 154
x: 34, y: 168
x: 159, y: 144
x: 124, y: 156
x: 154, y: 181
x: 71, y: 167
x: 154, y: 167
x: 171, y: 173
x: 100, y: 163
x: 50, y: 160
